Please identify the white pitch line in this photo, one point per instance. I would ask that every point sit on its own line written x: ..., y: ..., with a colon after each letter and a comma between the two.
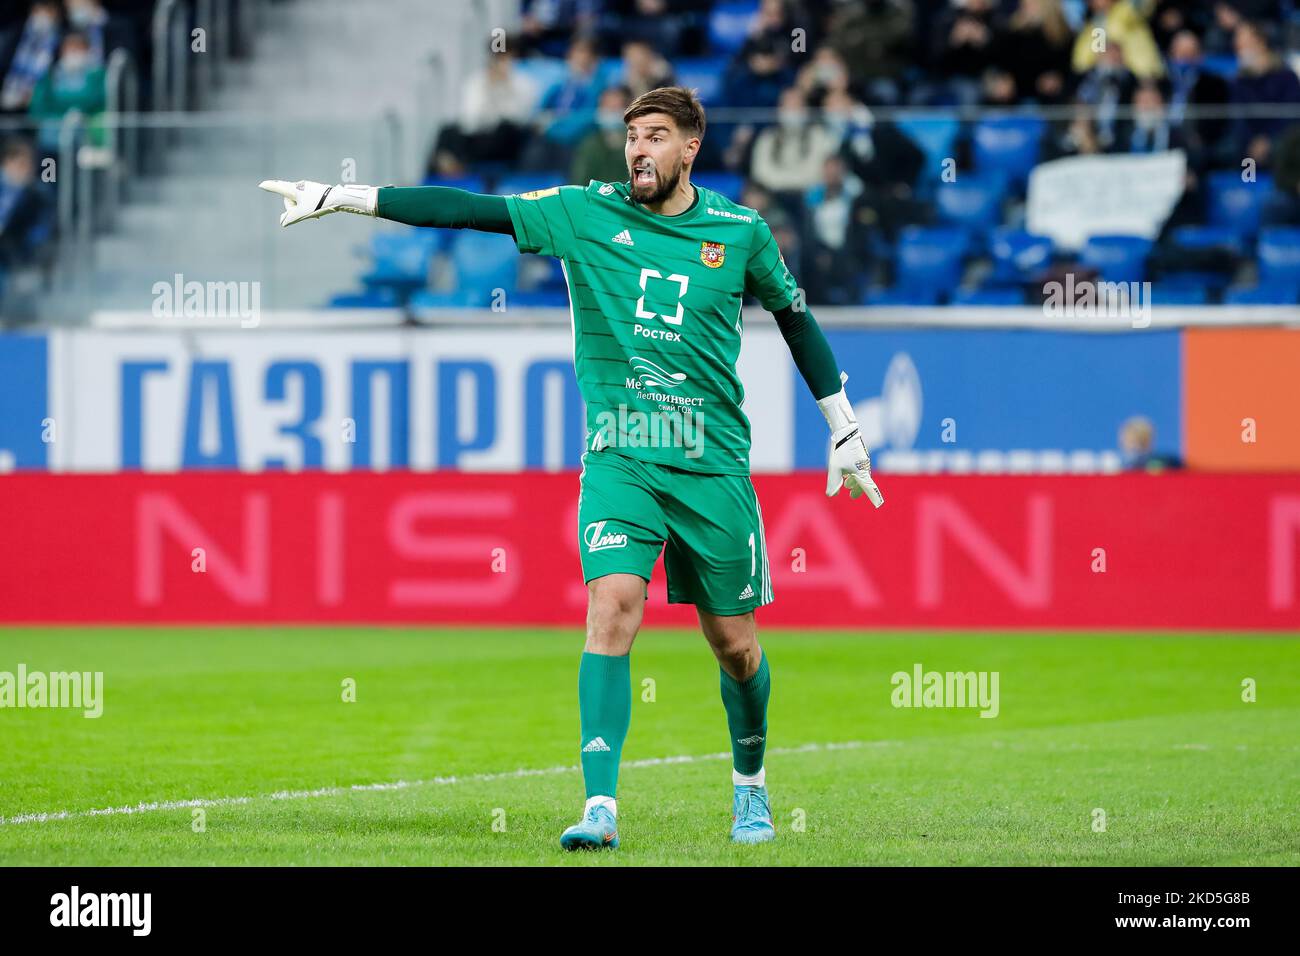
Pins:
x: 407, y: 784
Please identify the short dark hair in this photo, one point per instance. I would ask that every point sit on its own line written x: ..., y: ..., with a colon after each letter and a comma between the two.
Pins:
x: 675, y: 101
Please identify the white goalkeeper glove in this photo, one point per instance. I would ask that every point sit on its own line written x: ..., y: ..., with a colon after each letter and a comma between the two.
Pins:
x: 307, y: 200
x: 850, y: 462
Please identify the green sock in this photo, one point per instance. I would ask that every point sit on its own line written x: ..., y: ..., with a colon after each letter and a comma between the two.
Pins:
x: 746, y: 704
x: 605, y: 709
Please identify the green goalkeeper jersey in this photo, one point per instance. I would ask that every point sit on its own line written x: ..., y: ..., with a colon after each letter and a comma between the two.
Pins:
x: 656, y: 303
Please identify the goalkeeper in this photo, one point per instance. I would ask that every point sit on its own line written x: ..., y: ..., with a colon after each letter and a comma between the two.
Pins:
x: 657, y: 269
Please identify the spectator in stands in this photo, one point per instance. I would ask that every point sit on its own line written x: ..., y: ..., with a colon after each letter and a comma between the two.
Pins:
x: 497, y: 106
x: 75, y: 82
x: 824, y: 74
x: 1220, y: 38
x: 875, y: 39
x: 963, y: 46
x: 835, y: 257
x: 600, y: 154
x: 573, y: 102
x: 1137, y: 438
x: 1150, y: 130
x: 1035, y: 49
x: 26, y: 219
x: 35, y: 49
x: 548, y: 25
x: 1171, y: 17
x: 1262, y: 78
x: 997, y: 88
x: 883, y: 159
x: 1077, y: 138
x: 1191, y: 85
x: 1107, y: 87
x: 104, y: 33
x: 1283, y: 207
x: 790, y: 156
x: 644, y: 69
x: 661, y: 25
x: 762, y: 67
x: 1116, y: 22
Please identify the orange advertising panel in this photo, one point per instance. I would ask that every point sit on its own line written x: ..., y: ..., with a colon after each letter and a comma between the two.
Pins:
x: 1241, y: 399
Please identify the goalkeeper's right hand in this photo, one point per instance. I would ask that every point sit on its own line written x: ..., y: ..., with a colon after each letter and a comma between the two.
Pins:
x: 307, y: 200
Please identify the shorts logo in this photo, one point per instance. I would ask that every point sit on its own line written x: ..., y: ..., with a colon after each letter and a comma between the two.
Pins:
x: 746, y: 594
x: 598, y: 539
x: 713, y: 254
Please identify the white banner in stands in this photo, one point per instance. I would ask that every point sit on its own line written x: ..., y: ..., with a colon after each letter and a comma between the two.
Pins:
x: 1072, y: 199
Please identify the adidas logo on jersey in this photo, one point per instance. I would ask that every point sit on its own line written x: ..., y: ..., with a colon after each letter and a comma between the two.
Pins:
x: 624, y: 238
x: 597, y: 744
x: 747, y: 593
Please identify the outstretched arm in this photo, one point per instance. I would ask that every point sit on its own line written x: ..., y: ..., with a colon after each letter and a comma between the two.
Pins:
x: 414, y: 205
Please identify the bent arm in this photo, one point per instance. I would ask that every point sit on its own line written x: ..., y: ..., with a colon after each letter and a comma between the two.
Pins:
x: 445, y: 207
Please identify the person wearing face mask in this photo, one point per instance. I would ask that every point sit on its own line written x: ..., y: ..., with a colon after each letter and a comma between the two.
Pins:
x: 31, y: 57
x: 75, y: 82
x: 790, y: 156
x: 600, y: 153
x: 1192, y: 86
x: 1108, y: 87
x: 104, y: 32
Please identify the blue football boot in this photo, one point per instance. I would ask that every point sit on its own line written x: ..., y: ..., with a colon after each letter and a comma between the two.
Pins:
x: 596, y: 830
x: 751, y: 815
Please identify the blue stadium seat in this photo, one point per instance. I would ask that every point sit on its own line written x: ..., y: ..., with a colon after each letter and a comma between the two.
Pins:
x: 518, y: 183
x: 702, y: 74
x: 930, y: 258
x: 380, y: 297
x: 400, y: 261
x: 974, y: 201
x: 1009, y: 145
x: 1206, y: 237
x: 917, y: 296
x: 539, y: 298
x: 1117, y: 258
x: 1271, y: 293
x: 936, y: 136
x: 729, y: 25
x: 728, y: 184
x: 1018, y: 255
x: 1234, y: 204
x: 484, y: 261
x: 1179, y: 294
x: 992, y: 296
x: 1278, y: 252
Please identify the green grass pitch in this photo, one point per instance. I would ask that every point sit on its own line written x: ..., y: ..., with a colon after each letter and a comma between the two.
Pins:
x: 477, y: 732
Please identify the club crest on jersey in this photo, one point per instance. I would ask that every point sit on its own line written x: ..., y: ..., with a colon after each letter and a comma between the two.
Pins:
x: 713, y: 254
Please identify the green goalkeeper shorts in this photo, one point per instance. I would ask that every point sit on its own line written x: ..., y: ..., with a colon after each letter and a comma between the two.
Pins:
x: 709, y: 526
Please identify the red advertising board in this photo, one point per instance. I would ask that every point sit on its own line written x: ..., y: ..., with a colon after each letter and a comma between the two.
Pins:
x: 1173, y: 550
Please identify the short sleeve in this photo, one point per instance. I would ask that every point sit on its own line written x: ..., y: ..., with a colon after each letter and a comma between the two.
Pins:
x: 547, y: 221
x: 766, y: 277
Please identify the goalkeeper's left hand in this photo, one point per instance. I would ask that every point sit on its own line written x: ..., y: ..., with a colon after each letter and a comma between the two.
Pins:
x: 850, y: 462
